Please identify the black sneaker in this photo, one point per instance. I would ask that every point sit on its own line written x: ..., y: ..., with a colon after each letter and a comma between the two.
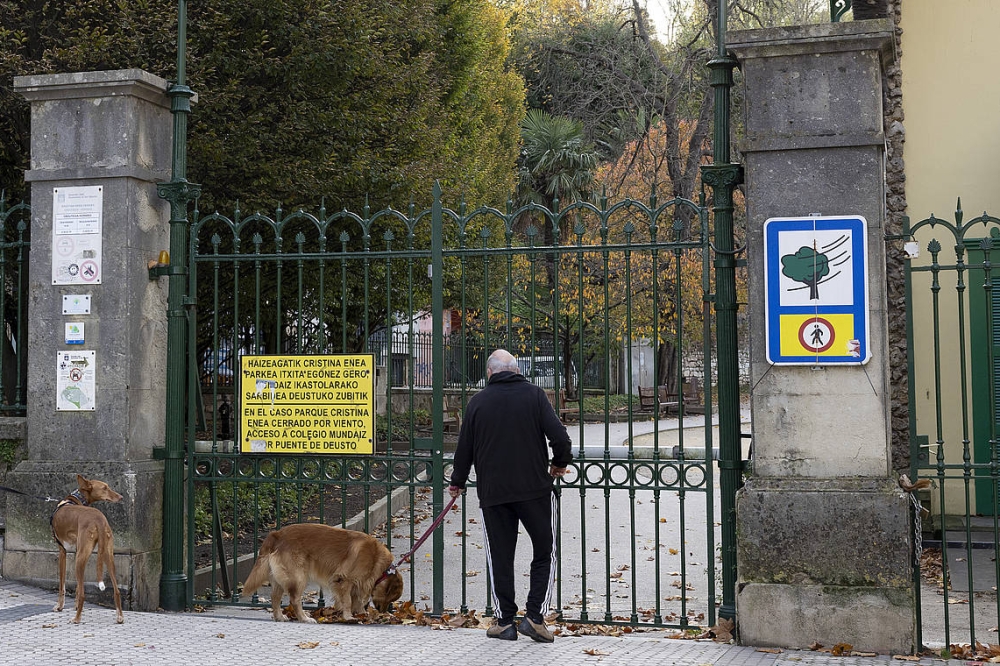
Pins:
x: 536, y: 631
x: 504, y: 632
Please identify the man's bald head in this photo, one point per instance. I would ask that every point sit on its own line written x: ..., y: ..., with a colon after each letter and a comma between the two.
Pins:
x: 501, y: 361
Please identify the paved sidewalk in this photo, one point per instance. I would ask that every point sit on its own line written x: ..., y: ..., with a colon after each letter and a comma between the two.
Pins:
x: 30, y: 633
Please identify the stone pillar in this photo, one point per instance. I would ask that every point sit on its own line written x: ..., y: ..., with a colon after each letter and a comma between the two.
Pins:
x: 824, y: 538
x: 111, y: 129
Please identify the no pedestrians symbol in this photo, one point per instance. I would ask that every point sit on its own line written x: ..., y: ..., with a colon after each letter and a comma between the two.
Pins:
x: 817, y: 334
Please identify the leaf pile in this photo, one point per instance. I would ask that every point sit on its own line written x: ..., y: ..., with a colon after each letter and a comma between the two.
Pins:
x: 930, y: 567
x: 403, y: 613
x: 721, y: 632
x: 840, y: 650
x: 407, y: 613
x: 980, y: 652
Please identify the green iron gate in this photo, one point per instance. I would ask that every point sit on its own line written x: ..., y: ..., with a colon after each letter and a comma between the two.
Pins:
x: 953, y: 296
x: 597, y: 301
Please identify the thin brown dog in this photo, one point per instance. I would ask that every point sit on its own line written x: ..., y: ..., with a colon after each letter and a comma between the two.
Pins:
x: 79, y: 526
x: 350, y: 564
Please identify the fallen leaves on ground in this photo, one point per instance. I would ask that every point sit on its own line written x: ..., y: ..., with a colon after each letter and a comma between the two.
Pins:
x: 979, y: 652
x: 721, y: 632
x: 574, y: 629
x: 842, y: 650
x: 402, y: 613
x: 408, y: 613
x: 930, y: 567
x: 838, y: 650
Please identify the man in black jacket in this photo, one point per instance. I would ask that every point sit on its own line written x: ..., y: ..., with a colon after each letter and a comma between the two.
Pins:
x: 504, y: 435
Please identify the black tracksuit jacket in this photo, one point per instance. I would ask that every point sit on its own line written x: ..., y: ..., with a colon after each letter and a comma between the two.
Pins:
x: 504, y: 432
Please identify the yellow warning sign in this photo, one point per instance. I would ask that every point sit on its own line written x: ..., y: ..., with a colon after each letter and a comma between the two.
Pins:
x: 817, y: 335
x: 307, y: 404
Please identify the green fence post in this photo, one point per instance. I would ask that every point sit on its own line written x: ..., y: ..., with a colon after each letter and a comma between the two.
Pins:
x: 724, y: 177
x: 179, y: 192
x: 437, y: 382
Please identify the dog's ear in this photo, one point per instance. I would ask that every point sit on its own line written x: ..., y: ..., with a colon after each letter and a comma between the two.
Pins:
x: 388, y: 590
x: 82, y: 482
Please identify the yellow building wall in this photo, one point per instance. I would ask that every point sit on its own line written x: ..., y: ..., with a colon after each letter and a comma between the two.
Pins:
x: 951, y: 99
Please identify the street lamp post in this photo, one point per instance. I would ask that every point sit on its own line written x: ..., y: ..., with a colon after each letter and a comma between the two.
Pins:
x: 179, y: 192
x: 723, y: 177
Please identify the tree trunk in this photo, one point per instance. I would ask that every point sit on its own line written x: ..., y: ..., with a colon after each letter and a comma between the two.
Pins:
x: 666, y: 364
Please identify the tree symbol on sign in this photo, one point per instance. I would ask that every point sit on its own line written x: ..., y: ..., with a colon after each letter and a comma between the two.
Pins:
x: 807, y: 266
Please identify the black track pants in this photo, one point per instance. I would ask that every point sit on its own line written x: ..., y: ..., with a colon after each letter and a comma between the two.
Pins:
x: 500, y: 524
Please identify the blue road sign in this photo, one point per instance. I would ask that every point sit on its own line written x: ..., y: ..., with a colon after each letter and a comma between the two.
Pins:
x: 816, y: 290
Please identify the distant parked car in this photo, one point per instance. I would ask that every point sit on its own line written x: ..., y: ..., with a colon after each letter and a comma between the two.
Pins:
x: 541, y: 371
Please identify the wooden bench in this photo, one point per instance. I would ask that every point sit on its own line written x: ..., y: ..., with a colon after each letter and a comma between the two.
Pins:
x: 559, y: 405
x: 691, y: 390
x: 452, y: 408
x: 648, y: 399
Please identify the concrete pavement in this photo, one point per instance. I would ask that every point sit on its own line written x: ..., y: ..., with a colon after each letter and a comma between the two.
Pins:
x: 30, y: 633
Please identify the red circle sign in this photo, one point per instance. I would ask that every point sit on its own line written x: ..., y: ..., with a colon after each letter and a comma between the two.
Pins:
x: 816, y: 334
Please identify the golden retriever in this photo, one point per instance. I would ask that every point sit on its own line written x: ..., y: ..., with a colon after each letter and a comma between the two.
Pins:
x: 348, y: 563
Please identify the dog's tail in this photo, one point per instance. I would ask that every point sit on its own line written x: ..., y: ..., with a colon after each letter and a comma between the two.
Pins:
x: 261, y: 572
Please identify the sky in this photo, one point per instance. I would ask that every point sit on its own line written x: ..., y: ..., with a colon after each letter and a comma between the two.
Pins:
x: 661, y: 14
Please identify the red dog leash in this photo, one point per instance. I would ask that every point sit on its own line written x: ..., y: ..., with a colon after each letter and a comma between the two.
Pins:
x: 405, y: 558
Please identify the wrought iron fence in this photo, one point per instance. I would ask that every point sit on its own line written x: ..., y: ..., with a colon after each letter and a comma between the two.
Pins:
x: 15, y: 244
x: 639, y: 523
x: 953, y: 296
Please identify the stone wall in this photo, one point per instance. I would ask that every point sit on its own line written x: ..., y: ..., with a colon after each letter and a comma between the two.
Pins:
x: 111, y: 130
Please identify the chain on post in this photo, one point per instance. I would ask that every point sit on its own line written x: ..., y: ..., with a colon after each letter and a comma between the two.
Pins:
x: 918, y: 548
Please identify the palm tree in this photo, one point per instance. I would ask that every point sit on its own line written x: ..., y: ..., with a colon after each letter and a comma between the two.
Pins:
x: 555, y: 163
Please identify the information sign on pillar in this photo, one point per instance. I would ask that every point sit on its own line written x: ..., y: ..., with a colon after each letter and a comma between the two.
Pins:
x: 816, y: 290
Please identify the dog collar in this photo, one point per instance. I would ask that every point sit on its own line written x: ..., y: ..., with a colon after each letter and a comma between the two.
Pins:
x: 76, y: 497
x: 385, y: 574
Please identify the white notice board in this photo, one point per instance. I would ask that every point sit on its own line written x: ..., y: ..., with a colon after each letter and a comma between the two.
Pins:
x: 77, y: 221
x: 76, y: 383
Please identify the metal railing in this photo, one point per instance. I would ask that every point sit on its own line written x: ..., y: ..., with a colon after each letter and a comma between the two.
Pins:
x: 838, y: 8
x: 308, y: 284
x: 953, y: 316
x: 15, y: 243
